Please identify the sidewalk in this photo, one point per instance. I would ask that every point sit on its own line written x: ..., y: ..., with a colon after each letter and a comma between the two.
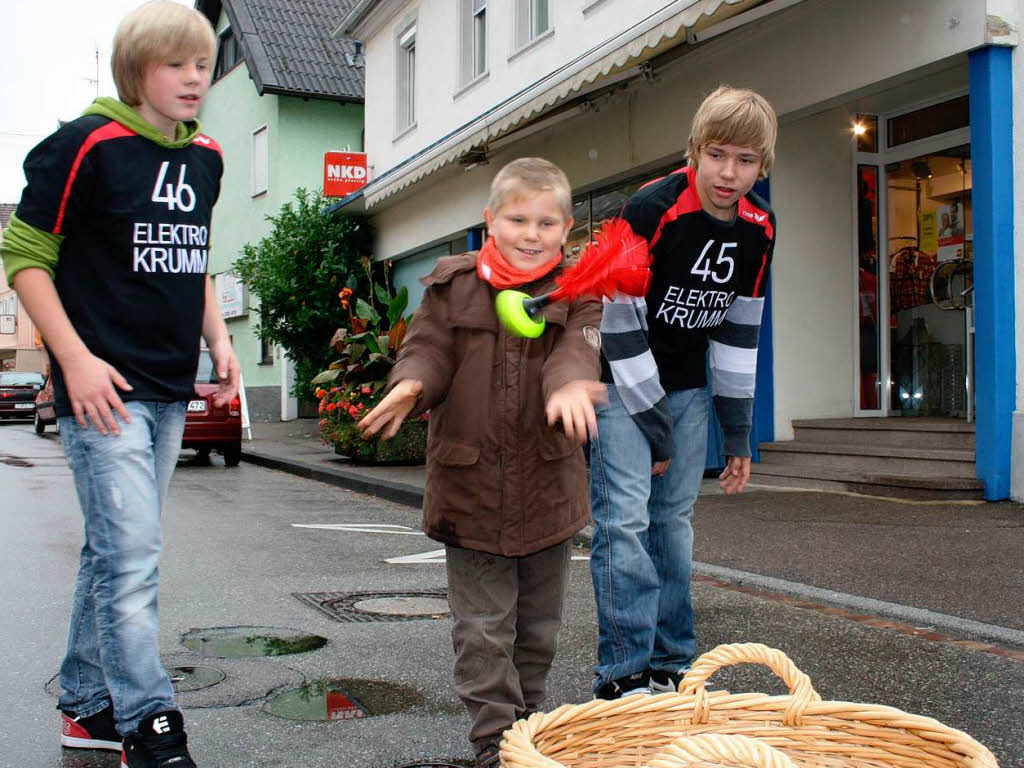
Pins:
x: 954, y: 568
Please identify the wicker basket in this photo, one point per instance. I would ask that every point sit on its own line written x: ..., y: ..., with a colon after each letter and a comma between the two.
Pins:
x: 654, y: 731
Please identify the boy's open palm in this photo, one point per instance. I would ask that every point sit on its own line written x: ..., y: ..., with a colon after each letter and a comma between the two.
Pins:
x: 390, y: 412
x: 90, y: 384
x: 573, y: 405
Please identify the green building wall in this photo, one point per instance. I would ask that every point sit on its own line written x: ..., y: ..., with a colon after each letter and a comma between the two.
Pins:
x: 299, y: 131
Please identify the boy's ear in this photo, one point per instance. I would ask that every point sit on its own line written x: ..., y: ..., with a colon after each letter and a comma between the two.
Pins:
x: 568, y: 228
x: 488, y: 219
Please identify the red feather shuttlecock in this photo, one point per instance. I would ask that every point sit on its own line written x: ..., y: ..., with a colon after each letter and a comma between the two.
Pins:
x: 616, y: 261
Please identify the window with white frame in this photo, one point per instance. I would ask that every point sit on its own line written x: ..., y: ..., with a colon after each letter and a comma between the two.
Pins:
x: 406, y: 86
x: 533, y: 19
x: 473, y: 28
x: 260, y: 161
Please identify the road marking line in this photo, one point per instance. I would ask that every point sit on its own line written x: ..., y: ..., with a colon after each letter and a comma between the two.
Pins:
x: 400, y: 530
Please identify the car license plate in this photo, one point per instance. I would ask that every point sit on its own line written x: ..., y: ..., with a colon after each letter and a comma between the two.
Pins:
x: 197, y: 406
x: 25, y: 406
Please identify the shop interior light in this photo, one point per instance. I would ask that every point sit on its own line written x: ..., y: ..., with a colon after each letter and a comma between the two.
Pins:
x: 859, y: 129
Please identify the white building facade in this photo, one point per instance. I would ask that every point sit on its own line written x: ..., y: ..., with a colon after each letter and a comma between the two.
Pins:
x: 896, y: 154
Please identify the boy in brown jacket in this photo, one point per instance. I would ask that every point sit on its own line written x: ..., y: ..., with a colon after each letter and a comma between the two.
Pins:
x: 505, y: 488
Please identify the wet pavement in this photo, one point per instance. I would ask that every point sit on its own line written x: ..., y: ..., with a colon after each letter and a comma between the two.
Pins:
x: 246, y: 548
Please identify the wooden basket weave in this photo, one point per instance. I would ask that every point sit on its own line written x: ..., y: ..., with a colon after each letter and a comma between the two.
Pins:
x: 658, y: 731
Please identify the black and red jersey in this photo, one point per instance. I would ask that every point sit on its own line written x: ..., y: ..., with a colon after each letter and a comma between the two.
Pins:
x: 701, y: 265
x: 134, y: 216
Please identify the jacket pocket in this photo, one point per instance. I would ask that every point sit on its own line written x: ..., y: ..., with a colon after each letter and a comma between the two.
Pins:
x: 555, y: 445
x: 449, y: 453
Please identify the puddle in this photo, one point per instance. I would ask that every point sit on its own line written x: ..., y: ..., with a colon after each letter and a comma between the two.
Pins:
x: 194, y: 678
x: 243, y: 642
x: 342, y: 700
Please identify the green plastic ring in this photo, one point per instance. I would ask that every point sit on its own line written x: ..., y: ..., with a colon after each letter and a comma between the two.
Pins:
x: 509, y: 306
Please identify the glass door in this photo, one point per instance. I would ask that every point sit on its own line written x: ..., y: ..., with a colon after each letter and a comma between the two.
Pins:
x: 912, y: 261
x: 930, y: 224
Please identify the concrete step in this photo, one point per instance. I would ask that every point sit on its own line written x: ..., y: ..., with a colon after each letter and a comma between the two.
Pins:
x: 872, y: 459
x: 913, y: 487
x: 934, y: 433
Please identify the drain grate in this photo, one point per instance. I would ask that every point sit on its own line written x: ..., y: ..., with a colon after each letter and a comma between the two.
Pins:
x: 345, y: 606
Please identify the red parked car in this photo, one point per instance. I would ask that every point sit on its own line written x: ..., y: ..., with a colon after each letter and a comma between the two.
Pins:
x: 46, y: 413
x: 209, y: 427
x: 18, y: 390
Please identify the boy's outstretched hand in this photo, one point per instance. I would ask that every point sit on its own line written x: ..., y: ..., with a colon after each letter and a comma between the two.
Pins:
x: 736, y: 475
x: 390, y: 412
x: 91, y: 383
x: 228, y: 371
x: 573, y: 405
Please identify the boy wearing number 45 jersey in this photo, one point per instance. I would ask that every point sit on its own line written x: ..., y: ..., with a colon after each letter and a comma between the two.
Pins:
x: 711, y: 239
x: 108, y: 251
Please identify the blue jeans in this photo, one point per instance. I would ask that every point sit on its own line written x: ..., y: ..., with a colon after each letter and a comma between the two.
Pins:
x: 642, y: 549
x: 113, y: 653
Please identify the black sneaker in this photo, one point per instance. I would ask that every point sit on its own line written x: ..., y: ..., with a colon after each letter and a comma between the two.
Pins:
x: 96, y: 731
x: 631, y: 685
x: 488, y: 756
x: 665, y: 680
x: 160, y: 742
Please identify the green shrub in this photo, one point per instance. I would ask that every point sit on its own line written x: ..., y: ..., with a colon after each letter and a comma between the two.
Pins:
x: 297, y: 272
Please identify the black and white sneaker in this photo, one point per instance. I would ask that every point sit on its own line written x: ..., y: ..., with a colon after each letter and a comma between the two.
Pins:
x: 631, y: 685
x: 665, y: 680
x: 96, y: 731
x: 160, y: 742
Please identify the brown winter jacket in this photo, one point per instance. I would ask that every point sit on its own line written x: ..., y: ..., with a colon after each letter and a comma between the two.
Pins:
x: 499, y: 479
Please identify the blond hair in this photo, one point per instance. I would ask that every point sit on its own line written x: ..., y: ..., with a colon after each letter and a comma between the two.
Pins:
x: 530, y: 176
x: 156, y: 32
x: 736, y: 116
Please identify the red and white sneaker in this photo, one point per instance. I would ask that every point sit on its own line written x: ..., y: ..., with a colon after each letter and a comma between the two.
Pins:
x: 94, y: 732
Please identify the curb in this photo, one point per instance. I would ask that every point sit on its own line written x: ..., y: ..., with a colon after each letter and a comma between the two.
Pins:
x: 400, y: 493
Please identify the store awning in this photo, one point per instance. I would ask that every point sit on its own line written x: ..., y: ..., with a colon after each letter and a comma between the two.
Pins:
x: 664, y: 29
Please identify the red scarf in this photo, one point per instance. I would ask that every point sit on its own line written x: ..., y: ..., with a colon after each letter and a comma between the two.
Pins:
x: 494, y: 268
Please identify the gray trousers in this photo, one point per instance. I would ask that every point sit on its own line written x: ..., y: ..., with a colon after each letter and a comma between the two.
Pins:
x: 507, y: 612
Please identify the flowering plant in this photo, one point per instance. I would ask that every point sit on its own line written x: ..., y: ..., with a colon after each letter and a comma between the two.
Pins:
x: 355, y: 382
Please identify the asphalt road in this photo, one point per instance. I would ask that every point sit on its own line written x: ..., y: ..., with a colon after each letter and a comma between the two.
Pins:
x: 234, y: 557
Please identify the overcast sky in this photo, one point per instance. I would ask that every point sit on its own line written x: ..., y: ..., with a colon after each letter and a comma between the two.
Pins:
x: 47, y: 59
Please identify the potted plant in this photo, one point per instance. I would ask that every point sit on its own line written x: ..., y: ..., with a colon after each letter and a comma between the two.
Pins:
x: 355, y: 382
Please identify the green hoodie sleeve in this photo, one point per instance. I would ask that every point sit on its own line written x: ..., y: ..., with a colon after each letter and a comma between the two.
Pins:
x: 25, y: 246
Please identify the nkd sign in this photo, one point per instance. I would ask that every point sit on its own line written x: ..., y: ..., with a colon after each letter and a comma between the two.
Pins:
x: 344, y: 173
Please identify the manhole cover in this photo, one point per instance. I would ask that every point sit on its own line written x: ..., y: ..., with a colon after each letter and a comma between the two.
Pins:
x: 240, y: 642
x: 194, y: 678
x: 342, y: 700
x: 424, y: 607
x: 379, y: 606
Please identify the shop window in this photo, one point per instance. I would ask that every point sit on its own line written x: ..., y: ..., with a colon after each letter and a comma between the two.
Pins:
x: 929, y: 121
x: 869, y: 328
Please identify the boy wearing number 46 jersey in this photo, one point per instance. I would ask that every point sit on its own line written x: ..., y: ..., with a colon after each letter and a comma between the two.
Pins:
x: 711, y: 239
x: 108, y: 251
